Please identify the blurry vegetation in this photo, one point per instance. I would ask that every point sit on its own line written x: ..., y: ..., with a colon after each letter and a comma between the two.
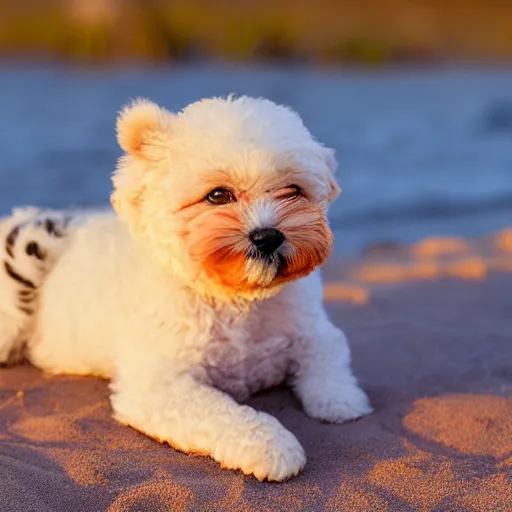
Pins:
x: 368, y: 32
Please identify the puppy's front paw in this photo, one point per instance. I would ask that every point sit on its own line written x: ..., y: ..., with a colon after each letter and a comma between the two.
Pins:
x: 346, y: 403
x: 269, y: 452
x: 281, y: 457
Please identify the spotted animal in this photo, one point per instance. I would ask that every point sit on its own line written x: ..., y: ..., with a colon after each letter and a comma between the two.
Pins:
x: 33, y: 239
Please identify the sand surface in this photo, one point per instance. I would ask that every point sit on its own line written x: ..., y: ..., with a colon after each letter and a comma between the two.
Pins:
x: 431, y: 332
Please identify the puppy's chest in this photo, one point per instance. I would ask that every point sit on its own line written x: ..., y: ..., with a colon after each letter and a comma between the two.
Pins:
x: 244, y: 357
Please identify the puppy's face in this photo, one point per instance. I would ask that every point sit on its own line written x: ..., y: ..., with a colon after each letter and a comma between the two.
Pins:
x: 249, y: 239
x: 231, y: 195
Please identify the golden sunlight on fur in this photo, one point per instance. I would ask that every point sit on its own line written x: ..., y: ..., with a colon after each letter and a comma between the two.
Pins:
x: 215, y: 240
x: 139, y: 126
x: 308, y: 236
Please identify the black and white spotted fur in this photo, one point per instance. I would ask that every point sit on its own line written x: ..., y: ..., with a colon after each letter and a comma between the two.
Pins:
x: 32, y: 241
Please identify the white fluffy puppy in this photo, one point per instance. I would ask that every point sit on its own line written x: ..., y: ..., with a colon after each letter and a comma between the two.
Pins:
x: 202, y: 290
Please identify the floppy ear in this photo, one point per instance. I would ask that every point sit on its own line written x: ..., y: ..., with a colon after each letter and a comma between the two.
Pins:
x: 143, y: 128
x: 332, y: 164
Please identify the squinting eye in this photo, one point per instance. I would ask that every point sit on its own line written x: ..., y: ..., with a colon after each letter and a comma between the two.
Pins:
x: 290, y: 192
x: 219, y: 196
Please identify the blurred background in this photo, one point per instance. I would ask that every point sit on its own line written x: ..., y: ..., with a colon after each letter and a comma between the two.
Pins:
x: 415, y: 95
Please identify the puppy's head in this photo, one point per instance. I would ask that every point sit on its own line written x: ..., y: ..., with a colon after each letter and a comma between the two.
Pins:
x: 230, y: 194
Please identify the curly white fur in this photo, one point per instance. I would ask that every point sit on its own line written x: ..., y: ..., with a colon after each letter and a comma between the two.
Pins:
x: 138, y: 299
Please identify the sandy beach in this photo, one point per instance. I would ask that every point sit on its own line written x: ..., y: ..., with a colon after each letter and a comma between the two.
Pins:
x: 430, y: 328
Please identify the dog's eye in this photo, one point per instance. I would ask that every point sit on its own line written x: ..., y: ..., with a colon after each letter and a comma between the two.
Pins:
x: 219, y: 196
x: 290, y: 192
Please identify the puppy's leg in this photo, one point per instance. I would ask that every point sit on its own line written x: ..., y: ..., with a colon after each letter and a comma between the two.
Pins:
x: 324, y: 382
x: 195, y: 418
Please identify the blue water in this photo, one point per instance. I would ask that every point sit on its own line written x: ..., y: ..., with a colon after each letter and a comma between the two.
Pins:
x: 421, y: 152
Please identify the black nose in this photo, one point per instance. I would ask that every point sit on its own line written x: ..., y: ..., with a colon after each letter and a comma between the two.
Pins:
x: 267, y: 240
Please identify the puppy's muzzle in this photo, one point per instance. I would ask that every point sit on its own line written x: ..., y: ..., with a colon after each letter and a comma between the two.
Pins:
x: 266, y: 240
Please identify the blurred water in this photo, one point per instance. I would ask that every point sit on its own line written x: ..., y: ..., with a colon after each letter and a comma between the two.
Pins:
x: 421, y: 152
